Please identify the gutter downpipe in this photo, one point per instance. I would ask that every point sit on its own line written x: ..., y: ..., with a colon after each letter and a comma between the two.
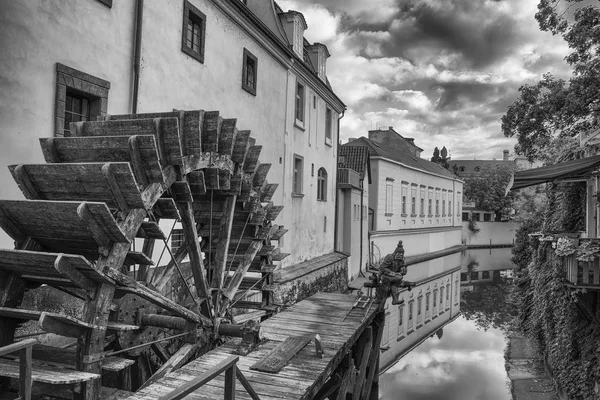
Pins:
x: 337, y: 156
x: 362, y: 221
x: 137, y: 44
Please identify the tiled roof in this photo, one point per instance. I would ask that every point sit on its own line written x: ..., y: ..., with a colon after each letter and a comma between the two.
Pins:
x: 355, y: 158
x: 401, y: 154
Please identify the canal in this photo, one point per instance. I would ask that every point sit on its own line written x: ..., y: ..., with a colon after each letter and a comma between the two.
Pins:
x: 447, y: 340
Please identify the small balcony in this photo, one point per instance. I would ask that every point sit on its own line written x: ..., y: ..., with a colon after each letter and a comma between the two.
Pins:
x: 583, y: 274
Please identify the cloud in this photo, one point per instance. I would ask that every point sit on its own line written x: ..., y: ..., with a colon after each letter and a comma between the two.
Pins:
x: 437, y: 70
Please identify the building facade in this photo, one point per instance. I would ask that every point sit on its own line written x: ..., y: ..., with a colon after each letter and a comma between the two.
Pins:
x: 410, y: 199
x: 247, y: 59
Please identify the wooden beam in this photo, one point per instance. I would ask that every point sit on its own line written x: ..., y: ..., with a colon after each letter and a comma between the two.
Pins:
x: 136, y: 161
x: 260, y: 175
x: 240, y: 147
x: 251, y: 161
x: 64, y: 267
x: 196, y: 263
x: 222, y: 249
x: 22, y: 178
x: 174, y: 362
x: 364, y: 349
x: 210, y: 131
x: 227, y: 136
x: 241, y: 271
x: 373, y: 367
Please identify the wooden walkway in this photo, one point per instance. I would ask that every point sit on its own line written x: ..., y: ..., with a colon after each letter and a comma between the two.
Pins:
x: 326, y: 314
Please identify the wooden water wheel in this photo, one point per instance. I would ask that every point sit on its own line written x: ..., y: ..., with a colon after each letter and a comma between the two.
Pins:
x: 108, y: 183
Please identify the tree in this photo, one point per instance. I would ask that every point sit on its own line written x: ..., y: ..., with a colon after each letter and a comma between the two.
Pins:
x: 487, y: 189
x: 553, y: 109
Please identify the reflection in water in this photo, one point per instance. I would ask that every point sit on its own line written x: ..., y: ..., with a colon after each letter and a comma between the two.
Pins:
x: 429, y: 354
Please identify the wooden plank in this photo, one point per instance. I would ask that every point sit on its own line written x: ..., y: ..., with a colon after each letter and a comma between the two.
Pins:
x: 176, y: 361
x: 17, y: 347
x: 134, y: 149
x: 166, y: 208
x: 268, y: 191
x: 210, y: 131
x: 273, y: 212
x: 364, y: 349
x: 260, y: 176
x: 113, y: 184
x: 150, y: 230
x: 136, y: 257
x: 251, y: 160
x: 25, y: 373
x: 227, y: 136
x: 240, y: 147
x: 281, y: 355
x: 197, y: 184
x: 64, y: 325
x: 21, y: 176
x: 53, y: 375
x: 182, y: 191
x: 211, y: 178
x: 66, y: 269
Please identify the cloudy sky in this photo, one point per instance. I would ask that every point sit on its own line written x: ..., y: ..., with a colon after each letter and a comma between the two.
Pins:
x: 441, y: 71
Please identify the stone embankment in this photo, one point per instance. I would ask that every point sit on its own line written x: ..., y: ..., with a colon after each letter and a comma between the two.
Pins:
x: 525, y: 368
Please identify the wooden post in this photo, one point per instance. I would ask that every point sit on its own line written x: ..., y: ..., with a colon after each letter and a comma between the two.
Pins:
x: 25, y: 373
x: 218, y: 277
x: 196, y: 264
x: 230, y: 383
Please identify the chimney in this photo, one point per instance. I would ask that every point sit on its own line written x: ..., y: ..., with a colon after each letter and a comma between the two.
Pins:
x: 505, y: 155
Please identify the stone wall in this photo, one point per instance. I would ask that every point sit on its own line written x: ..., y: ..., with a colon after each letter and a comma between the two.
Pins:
x: 327, y: 273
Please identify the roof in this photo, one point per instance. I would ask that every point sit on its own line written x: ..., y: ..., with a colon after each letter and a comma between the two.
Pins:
x: 570, y: 170
x: 402, y: 155
x: 355, y: 158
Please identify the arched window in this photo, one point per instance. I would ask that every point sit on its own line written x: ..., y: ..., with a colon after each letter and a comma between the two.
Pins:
x: 322, y: 184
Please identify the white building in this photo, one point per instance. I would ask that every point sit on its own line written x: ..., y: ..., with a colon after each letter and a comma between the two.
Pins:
x: 410, y: 199
x: 247, y: 59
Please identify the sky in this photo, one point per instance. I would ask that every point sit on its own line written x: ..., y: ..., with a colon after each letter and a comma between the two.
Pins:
x: 451, y: 367
x: 441, y: 71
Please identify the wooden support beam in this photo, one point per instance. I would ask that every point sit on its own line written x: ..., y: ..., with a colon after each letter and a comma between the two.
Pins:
x: 211, y: 178
x: 251, y: 161
x: 196, y: 263
x: 222, y: 249
x: 175, y: 361
x: 346, y: 380
x: 109, y: 172
x: 373, y: 367
x: 241, y: 271
x: 22, y: 178
x: 197, y: 184
x: 268, y: 191
x: 364, y: 350
x: 182, y: 191
x: 260, y: 175
x: 64, y: 267
x: 136, y: 161
x: 86, y: 216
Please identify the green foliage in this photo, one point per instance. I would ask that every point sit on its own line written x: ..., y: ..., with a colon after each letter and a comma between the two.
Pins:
x: 522, y: 253
x: 548, y: 313
x: 489, y: 306
x: 488, y: 188
x: 553, y: 109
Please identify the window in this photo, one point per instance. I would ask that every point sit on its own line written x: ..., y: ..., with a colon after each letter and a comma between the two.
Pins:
x: 441, y: 298
x: 315, y: 102
x: 328, y: 125
x: 474, y: 275
x: 485, y: 275
x: 298, y: 174
x: 419, y: 308
x: 475, y: 216
x: 434, y: 300
x: 429, y: 211
x: 487, y: 217
x: 465, y: 216
x: 194, y: 26
x: 300, y: 103
x: 464, y: 277
x: 249, y: 72
x: 322, y: 184
x: 413, y: 204
x: 456, y: 291
x: 401, y: 321
x: 422, y: 209
x: 427, y: 296
x: 79, y: 97
x: 389, y: 189
x: 437, y: 206
x: 447, y: 292
x: 449, y: 207
x: 385, y: 335
x: 404, y: 194
x: 410, y: 313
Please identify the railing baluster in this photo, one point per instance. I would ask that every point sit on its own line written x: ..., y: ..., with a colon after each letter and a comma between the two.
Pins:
x: 25, y: 373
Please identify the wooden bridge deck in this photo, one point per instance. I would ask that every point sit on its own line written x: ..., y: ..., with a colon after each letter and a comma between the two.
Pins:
x: 326, y: 314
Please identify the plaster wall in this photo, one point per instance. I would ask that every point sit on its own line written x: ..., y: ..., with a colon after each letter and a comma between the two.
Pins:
x: 349, y: 226
x: 34, y: 36
x: 416, y: 241
x: 494, y: 233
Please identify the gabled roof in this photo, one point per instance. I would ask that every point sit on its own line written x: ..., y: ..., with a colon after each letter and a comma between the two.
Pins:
x: 402, y: 155
x: 355, y: 158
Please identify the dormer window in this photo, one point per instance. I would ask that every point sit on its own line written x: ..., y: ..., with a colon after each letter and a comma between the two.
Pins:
x: 294, y: 26
x: 298, y: 37
x: 318, y: 54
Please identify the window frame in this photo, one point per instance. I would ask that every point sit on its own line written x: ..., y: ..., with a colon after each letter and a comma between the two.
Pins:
x: 389, y: 197
x: 70, y: 80
x: 199, y: 18
x: 321, y: 184
x: 298, y: 176
x: 300, y: 106
x: 328, y: 126
x: 248, y: 56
